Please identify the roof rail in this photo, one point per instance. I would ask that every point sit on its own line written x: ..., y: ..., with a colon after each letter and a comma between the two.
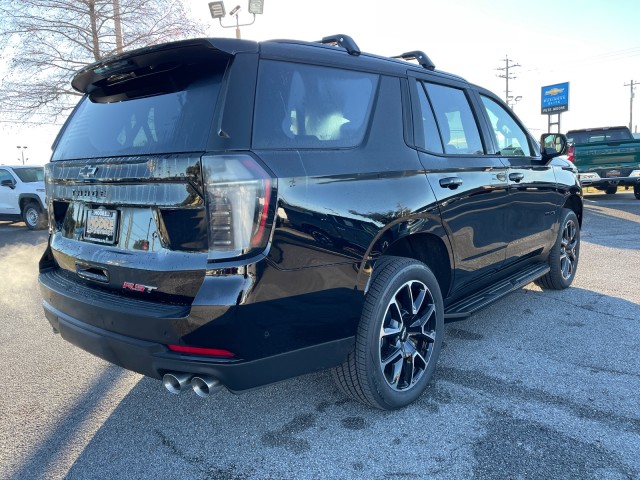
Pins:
x: 421, y: 58
x: 344, y: 41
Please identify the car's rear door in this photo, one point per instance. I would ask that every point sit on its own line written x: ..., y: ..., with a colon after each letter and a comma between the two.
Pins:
x: 470, y: 186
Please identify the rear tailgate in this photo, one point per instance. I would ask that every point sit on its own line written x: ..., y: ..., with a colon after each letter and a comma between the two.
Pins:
x: 137, y: 226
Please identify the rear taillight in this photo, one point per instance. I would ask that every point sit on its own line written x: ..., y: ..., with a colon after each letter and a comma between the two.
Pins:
x: 239, y: 198
x: 571, y: 154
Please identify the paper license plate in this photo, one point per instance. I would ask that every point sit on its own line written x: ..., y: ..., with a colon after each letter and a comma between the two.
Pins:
x: 101, y: 225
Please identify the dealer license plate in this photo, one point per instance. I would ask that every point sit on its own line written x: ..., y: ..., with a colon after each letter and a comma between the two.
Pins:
x: 101, y: 225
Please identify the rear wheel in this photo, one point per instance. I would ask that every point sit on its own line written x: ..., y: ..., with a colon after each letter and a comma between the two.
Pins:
x: 34, y: 217
x: 610, y: 190
x: 399, y: 336
x: 563, y: 259
x: 636, y: 191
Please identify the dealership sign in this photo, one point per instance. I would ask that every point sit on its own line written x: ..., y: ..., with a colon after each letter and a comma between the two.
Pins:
x: 555, y: 98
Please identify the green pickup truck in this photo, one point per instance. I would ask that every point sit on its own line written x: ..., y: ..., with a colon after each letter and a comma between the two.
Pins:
x: 606, y: 158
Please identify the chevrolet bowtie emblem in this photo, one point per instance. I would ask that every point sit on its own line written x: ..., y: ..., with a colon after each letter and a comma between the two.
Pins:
x: 86, y: 172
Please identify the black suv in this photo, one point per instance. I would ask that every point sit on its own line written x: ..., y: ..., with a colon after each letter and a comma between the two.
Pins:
x: 231, y: 213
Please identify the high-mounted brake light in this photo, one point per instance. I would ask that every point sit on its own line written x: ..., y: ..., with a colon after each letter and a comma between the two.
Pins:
x: 239, y: 198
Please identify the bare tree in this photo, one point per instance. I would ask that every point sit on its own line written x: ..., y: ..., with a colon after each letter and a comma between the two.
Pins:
x: 43, y: 42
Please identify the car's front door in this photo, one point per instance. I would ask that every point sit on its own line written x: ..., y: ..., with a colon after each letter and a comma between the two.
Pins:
x: 8, y: 202
x: 533, y: 195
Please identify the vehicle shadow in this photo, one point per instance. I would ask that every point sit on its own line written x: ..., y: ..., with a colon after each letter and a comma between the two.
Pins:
x: 14, y: 233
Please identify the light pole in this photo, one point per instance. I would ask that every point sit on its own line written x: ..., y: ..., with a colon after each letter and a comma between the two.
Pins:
x: 513, y: 101
x: 22, y: 149
x: 218, y: 11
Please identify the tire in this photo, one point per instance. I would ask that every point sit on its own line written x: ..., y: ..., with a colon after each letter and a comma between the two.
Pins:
x: 636, y: 191
x: 399, y: 336
x: 610, y: 190
x: 564, y: 256
x: 34, y: 217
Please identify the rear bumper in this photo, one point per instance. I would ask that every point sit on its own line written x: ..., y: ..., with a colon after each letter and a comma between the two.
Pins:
x: 134, y: 334
x: 154, y: 359
x: 609, y: 182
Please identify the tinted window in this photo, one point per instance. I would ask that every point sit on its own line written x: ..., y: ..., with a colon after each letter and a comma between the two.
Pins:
x: 304, y: 106
x: 429, y: 136
x: 31, y: 174
x: 455, y: 119
x: 511, y: 140
x: 165, y: 123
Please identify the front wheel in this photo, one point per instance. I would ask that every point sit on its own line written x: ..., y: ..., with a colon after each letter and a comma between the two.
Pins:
x: 399, y: 336
x: 610, y: 190
x: 34, y: 217
x: 563, y: 258
x: 636, y: 191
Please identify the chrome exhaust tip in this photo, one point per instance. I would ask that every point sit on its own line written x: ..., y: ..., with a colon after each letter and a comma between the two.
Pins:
x: 204, y: 385
x: 176, y: 382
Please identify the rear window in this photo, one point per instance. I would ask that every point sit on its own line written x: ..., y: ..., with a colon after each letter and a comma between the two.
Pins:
x: 30, y: 175
x: 306, y: 106
x: 599, y: 136
x: 160, y: 123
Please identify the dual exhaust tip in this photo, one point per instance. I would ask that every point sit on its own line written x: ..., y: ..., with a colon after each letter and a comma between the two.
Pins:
x: 202, y: 385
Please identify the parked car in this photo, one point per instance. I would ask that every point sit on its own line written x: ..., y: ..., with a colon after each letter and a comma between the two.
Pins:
x: 227, y: 213
x: 606, y: 158
x: 22, y: 195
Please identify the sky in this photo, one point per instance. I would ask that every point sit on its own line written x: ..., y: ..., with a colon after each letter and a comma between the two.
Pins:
x: 591, y: 44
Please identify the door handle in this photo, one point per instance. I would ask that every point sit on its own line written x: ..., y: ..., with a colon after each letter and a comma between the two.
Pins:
x: 516, y: 177
x: 450, y: 182
x: 92, y: 273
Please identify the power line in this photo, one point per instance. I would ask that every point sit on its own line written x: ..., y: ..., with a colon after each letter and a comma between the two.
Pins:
x: 566, y: 64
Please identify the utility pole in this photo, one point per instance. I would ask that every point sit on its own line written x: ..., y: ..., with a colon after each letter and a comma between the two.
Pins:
x: 631, y: 87
x: 508, y: 64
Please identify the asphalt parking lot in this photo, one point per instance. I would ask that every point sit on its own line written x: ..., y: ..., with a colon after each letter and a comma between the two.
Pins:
x: 541, y: 385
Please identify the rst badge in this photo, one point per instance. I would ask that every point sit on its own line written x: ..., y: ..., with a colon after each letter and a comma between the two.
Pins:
x: 138, y: 287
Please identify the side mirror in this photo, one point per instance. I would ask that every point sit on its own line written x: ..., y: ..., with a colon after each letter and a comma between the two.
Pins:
x: 7, y: 182
x: 553, y: 145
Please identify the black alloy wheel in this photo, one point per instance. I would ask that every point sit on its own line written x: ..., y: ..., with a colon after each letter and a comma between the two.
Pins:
x: 399, y: 336
x: 564, y: 256
x: 407, y: 335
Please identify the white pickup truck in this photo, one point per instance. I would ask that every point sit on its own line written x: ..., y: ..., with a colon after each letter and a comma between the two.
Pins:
x: 22, y: 195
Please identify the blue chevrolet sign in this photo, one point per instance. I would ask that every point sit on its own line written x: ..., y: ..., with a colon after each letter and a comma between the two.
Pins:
x: 555, y: 98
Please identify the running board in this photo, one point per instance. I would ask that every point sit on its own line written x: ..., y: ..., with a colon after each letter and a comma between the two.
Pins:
x: 465, y: 307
